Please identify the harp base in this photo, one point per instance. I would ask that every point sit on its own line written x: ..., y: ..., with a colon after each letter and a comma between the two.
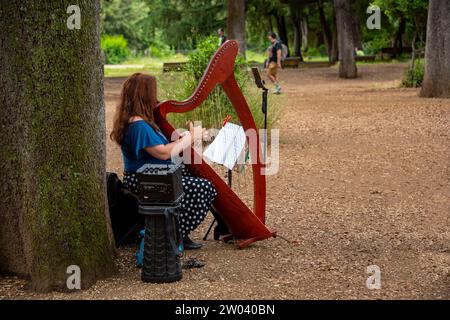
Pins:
x: 244, y: 243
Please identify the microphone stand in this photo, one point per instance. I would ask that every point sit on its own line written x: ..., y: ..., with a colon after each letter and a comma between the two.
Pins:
x: 260, y: 83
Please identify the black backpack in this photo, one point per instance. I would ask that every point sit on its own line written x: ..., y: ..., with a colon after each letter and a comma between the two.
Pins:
x: 123, y: 205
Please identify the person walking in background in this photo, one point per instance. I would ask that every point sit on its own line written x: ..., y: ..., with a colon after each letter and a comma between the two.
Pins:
x: 222, y: 37
x: 275, y: 54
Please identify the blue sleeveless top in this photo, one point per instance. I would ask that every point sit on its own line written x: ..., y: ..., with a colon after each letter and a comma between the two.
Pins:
x: 138, y: 136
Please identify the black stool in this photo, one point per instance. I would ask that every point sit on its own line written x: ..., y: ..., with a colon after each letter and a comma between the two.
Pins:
x: 163, y: 245
x: 160, y: 193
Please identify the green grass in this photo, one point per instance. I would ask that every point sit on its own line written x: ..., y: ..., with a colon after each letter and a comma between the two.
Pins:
x: 257, y: 57
x: 146, y: 64
x: 154, y: 65
x: 125, y: 72
x: 315, y: 58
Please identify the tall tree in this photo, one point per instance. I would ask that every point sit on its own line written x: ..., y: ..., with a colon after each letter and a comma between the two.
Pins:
x: 52, y: 162
x: 344, y: 23
x: 437, y: 53
x: 297, y: 24
x: 236, y: 23
x: 281, y: 27
x: 334, y: 55
x: 327, y: 34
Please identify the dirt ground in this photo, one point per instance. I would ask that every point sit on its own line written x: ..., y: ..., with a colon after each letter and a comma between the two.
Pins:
x: 364, y: 180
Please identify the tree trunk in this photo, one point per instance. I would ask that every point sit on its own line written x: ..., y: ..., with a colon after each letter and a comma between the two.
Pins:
x: 296, y: 23
x: 304, y: 26
x: 334, y: 57
x: 282, y: 30
x: 398, y: 41
x: 437, y: 53
x: 327, y: 35
x: 356, y: 26
x: 297, y: 39
x: 236, y: 23
x: 347, y: 65
x: 53, y: 195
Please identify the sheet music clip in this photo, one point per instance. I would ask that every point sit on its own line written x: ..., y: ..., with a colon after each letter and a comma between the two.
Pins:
x: 226, y: 120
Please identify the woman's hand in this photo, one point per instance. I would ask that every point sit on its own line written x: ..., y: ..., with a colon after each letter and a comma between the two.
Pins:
x: 190, y: 138
x: 197, y: 134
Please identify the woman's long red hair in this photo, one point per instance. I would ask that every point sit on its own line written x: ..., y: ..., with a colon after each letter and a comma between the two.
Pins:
x: 137, y: 99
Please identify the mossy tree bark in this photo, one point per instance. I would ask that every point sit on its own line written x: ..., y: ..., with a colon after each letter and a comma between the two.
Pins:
x: 52, y: 163
x: 236, y: 23
x: 346, y: 46
x: 437, y: 53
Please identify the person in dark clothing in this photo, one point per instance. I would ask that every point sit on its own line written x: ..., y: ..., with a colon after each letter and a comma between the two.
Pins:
x: 222, y: 37
x: 275, y: 54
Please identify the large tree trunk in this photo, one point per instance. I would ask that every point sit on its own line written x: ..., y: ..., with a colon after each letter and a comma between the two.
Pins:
x: 347, y: 65
x: 236, y: 23
x: 297, y: 39
x: 334, y: 57
x: 296, y: 23
x: 437, y: 53
x: 327, y: 35
x: 282, y: 30
x: 52, y: 196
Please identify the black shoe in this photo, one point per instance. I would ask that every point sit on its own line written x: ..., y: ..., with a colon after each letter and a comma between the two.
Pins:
x: 191, y: 245
x: 220, y: 230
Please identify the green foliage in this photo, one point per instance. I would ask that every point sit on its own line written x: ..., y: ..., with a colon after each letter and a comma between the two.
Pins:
x: 181, y: 24
x: 159, y: 49
x: 199, y: 58
x: 414, y: 75
x: 114, y: 48
x: 129, y: 18
x: 376, y: 40
x: 413, y: 12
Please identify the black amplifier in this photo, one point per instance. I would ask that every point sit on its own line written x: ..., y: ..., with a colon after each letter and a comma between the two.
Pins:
x: 160, y: 185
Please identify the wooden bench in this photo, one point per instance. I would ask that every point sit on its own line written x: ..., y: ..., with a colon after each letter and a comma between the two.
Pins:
x: 370, y: 58
x: 315, y: 64
x: 389, y: 53
x: 291, y: 62
x: 173, y: 66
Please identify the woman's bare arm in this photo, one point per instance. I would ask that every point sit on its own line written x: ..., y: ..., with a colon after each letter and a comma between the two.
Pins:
x: 165, y: 152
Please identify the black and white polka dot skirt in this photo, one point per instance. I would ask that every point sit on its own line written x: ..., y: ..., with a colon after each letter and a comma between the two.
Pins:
x: 198, y: 197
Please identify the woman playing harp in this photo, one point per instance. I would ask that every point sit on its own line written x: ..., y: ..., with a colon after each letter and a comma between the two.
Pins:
x: 142, y: 142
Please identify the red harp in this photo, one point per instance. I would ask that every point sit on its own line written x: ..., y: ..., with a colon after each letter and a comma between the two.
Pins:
x: 246, y: 225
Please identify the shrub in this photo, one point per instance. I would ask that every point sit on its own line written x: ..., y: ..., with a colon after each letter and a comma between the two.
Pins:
x: 312, y: 52
x: 160, y: 50
x: 114, y: 48
x: 378, y: 39
x: 322, y: 50
x: 414, y: 75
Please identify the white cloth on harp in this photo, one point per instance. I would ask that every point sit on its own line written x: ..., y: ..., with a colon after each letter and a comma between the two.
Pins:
x: 228, y: 146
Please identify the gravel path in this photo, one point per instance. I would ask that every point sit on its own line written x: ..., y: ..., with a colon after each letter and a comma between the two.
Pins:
x: 364, y: 180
